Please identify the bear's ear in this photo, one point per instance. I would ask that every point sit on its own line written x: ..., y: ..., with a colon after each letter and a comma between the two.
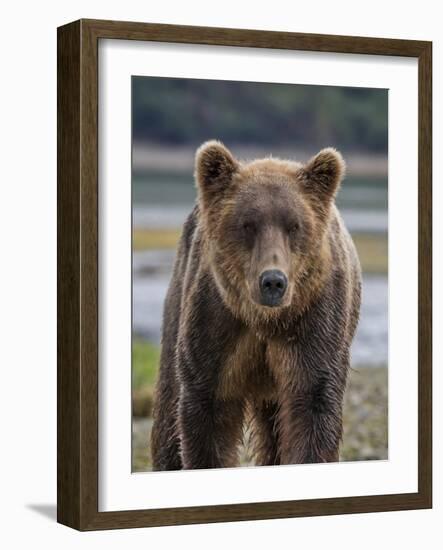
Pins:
x: 323, y: 173
x: 214, y: 168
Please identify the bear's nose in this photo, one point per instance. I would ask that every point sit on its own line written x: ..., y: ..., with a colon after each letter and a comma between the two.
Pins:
x: 273, y: 284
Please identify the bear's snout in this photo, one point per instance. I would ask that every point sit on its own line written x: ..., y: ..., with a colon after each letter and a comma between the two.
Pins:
x: 273, y: 284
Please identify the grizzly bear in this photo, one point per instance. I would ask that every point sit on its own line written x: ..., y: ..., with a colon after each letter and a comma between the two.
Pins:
x: 259, y: 317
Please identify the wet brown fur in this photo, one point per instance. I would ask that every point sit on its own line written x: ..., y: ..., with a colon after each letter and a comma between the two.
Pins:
x: 225, y: 357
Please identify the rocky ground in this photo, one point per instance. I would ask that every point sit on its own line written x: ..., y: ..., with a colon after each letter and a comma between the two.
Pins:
x: 365, y: 421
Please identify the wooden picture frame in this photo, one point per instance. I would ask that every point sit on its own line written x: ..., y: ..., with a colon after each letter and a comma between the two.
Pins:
x: 77, y: 455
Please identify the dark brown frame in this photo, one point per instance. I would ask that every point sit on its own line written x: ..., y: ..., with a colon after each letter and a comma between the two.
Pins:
x: 77, y: 429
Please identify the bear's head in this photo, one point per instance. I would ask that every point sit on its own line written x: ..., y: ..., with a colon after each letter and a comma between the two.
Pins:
x: 265, y: 223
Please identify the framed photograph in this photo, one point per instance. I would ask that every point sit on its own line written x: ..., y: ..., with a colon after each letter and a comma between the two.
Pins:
x: 244, y: 274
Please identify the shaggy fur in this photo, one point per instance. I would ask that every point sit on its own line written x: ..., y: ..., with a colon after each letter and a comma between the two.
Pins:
x: 225, y: 357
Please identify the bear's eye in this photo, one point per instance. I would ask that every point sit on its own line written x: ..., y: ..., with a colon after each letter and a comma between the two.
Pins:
x: 293, y: 228
x: 248, y: 227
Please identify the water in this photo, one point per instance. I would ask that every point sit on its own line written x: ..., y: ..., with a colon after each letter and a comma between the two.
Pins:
x: 152, y: 271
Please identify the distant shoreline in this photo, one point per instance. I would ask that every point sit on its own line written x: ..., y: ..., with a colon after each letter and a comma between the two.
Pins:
x: 180, y: 159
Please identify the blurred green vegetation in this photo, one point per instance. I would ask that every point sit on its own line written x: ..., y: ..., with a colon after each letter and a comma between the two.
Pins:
x: 372, y: 250
x: 145, y: 363
x: 153, y: 238
x: 145, y: 358
x: 176, y: 111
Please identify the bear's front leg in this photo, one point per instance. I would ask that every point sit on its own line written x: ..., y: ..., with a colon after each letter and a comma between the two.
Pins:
x: 311, y: 423
x: 209, y: 426
x: 210, y: 430
x: 310, y: 406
